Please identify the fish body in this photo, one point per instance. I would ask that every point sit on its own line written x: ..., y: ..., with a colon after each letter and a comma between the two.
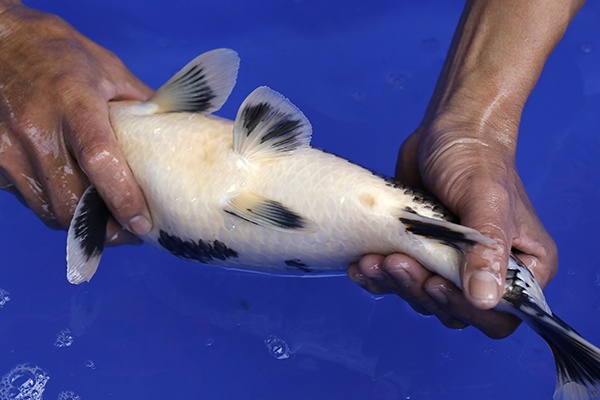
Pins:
x: 253, y: 194
x: 191, y: 176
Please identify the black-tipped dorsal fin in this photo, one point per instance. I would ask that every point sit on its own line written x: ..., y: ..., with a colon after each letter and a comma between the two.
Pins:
x: 267, y: 213
x: 203, y: 85
x: 269, y: 126
x: 85, y: 240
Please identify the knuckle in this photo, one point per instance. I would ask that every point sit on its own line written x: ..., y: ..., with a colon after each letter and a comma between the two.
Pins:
x: 95, y: 155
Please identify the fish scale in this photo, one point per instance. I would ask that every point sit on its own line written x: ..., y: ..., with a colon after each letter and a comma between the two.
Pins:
x: 253, y: 194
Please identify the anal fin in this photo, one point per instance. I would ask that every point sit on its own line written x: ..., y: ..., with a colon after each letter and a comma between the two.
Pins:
x: 86, y: 237
x: 268, y: 213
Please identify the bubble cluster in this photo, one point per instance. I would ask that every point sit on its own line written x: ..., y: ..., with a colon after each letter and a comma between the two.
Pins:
x: 24, y: 382
x: 397, y: 81
x: 64, y: 338
x: 68, y: 395
x: 90, y: 364
x: 278, y: 348
x: 4, y: 297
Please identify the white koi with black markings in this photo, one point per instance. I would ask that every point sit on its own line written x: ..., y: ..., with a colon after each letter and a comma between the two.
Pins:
x: 253, y: 194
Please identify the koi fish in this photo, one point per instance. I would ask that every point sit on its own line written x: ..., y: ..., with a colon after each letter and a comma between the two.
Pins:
x: 253, y: 194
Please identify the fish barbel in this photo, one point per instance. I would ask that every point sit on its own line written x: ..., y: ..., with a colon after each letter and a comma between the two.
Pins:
x: 253, y: 194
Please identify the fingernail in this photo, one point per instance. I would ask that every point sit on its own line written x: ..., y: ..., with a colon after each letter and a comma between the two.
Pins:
x: 437, y: 293
x: 140, y: 225
x: 483, y: 286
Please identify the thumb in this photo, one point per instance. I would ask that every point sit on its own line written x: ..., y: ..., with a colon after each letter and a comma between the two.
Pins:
x: 483, y: 266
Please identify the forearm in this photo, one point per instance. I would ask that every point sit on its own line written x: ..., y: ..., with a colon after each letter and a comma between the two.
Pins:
x: 495, y: 59
x: 4, y: 4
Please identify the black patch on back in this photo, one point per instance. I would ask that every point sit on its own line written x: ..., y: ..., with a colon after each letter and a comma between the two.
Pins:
x: 297, y: 263
x: 433, y: 231
x: 90, y: 224
x: 201, y: 251
x: 202, y: 95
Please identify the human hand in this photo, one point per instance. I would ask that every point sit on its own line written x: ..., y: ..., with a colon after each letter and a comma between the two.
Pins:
x: 477, y: 180
x: 464, y: 154
x: 55, y: 133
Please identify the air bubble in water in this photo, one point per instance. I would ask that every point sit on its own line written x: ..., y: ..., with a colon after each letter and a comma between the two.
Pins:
x: 397, y: 81
x: 68, y: 395
x: 64, y: 338
x: 586, y: 48
x: 90, y: 364
x: 4, y: 297
x: 25, y: 381
x: 278, y: 348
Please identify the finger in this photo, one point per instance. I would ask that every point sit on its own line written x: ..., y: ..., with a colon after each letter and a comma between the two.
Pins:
x: 493, y: 323
x: 62, y: 179
x: 116, y: 235
x: 483, y: 266
x: 96, y: 149
x: 412, y: 278
x: 362, y: 274
x: 25, y: 185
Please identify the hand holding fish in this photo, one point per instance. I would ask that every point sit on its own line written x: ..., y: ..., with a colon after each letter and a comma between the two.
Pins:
x: 54, y: 125
x: 464, y: 153
x: 492, y: 199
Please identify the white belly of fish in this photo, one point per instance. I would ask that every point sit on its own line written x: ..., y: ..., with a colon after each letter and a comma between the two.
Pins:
x: 188, y: 171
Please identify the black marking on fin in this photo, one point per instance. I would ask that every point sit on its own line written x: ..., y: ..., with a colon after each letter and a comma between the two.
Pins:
x: 86, y: 237
x: 269, y: 125
x: 90, y: 224
x: 278, y: 215
x: 297, y: 263
x: 436, y: 231
x: 200, y: 99
x: 266, y: 213
x: 203, y: 85
x: 202, y: 251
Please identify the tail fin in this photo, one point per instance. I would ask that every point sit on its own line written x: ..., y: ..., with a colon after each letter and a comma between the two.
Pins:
x: 577, y: 360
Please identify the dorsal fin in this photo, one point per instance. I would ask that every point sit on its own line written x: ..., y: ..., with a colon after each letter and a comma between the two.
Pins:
x: 203, y: 85
x: 269, y: 126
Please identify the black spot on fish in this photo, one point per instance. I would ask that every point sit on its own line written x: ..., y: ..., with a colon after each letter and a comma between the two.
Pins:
x: 298, y: 264
x: 201, y: 250
x: 443, y: 234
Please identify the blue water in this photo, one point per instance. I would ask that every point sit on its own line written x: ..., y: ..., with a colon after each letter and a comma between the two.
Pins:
x: 150, y: 326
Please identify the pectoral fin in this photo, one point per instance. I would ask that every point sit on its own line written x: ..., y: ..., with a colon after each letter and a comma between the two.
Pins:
x: 443, y: 231
x: 269, y: 126
x: 85, y: 240
x: 203, y: 85
x: 268, y: 213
